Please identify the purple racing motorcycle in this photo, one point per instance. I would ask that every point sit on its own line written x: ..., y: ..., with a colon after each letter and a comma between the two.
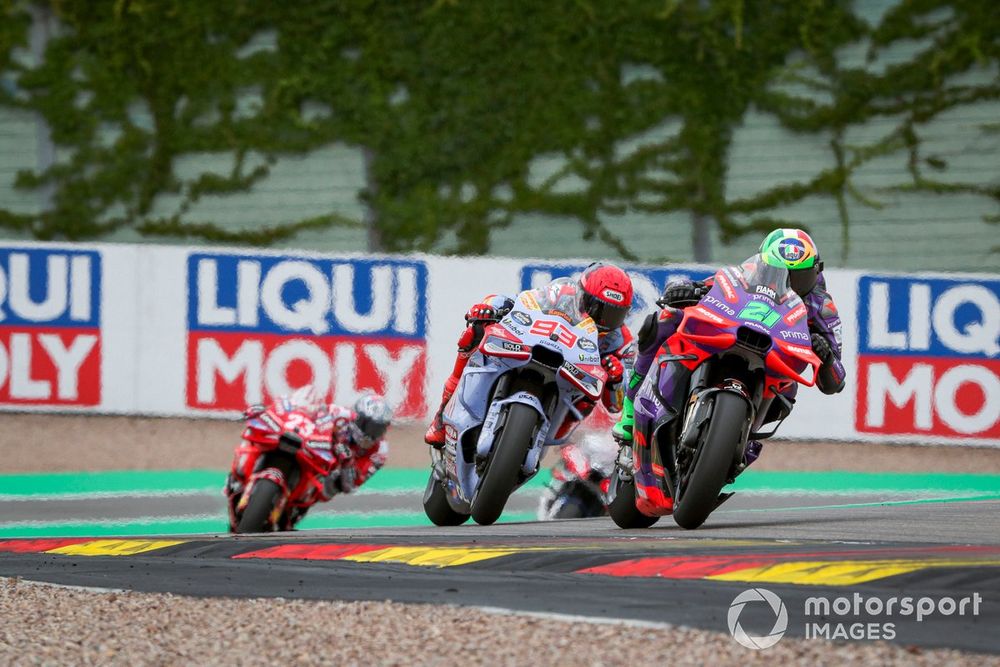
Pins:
x: 734, y: 354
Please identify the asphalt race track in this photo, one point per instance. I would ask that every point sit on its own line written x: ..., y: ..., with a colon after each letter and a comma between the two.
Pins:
x: 798, y: 547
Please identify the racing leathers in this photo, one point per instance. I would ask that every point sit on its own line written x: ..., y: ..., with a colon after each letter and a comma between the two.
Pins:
x: 615, y: 346
x: 358, y: 463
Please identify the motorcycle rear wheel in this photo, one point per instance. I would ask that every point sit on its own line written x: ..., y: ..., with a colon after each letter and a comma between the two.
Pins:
x: 622, y: 507
x: 505, y: 461
x: 701, y: 493
x: 436, y: 506
x: 263, y: 496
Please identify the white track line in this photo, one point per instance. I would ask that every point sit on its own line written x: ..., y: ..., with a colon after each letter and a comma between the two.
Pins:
x: 570, y: 618
x: 85, y: 589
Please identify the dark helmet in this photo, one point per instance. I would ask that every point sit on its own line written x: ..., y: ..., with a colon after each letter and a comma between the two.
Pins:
x: 794, y: 250
x: 606, y: 295
x: 372, y: 418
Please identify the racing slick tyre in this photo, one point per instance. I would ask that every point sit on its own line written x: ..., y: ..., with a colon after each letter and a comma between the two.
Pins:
x: 577, y: 501
x: 263, y: 496
x: 504, y: 464
x: 700, y: 495
x: 437, y: 508
x: 622, y: 506
x: 569, y: 510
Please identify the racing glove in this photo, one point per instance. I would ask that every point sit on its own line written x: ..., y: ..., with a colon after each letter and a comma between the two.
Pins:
x: 682, y: 294
x: 821, y: 347
x: 342, y: 452
x: 831, y: 378
x: 613, y: 367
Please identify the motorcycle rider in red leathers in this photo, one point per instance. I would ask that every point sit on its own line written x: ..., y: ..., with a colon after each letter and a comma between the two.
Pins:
x: 357, y: 437
x: 604, y: 292
x: 359, y: 434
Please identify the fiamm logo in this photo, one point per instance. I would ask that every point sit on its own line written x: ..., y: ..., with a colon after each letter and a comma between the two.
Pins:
x: 928, y: 357
x: 260, y: 326
x: 50, y: 327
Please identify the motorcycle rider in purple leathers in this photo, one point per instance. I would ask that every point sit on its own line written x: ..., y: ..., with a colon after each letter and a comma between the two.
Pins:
x: 797, y: 251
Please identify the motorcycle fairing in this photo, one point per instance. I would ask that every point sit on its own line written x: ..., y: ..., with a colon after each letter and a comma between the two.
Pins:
x: 711, y: 329
x: 470, y: 406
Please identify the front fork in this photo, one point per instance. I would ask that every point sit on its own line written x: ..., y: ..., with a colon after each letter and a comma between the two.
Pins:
x: 656, y: 479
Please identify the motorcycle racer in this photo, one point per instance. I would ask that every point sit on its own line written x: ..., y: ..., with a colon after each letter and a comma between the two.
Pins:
x: 603, y: 291
x: 792, y: 249
x: 357, y: 440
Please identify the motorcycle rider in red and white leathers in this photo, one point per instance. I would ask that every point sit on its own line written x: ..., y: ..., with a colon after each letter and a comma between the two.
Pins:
x: 359, y: 440
x: 604, y: 292
x: 798, y: 251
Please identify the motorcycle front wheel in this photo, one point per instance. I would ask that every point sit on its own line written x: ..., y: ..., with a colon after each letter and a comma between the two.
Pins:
x: 700, y: 494
x: 263, y: 497
x: 504, y: 464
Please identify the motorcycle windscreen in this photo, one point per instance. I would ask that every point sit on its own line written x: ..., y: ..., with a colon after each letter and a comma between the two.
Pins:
x: 763, y: 278
x: 308, y: 400
x: 561, y: 298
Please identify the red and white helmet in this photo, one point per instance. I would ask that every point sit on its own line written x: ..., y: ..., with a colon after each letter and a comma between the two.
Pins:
x: 606, y: 295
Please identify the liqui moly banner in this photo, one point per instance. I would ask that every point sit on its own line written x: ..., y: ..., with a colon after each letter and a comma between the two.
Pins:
x: 161, y: 330
x: 261, y: 325
x: 929, y: 357
x: 50, y: 327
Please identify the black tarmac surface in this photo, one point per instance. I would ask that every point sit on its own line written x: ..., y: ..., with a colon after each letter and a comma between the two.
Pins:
x: 945, y: 550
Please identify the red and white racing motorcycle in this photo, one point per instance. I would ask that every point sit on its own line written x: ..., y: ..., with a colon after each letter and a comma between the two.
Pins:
x: 284, y: 464
x: 580, y: 480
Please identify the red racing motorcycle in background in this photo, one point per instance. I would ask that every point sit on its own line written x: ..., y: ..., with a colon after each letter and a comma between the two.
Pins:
x: 284, y: 464
x: 580, y: 480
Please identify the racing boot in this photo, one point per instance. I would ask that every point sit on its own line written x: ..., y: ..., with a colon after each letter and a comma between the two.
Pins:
x: 751, y: 452
x: 435, y: 432
x: 435, y: 436
x: 622, y: 430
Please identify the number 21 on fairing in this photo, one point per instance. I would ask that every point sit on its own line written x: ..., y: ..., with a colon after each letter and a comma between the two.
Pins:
x: 759, y: 312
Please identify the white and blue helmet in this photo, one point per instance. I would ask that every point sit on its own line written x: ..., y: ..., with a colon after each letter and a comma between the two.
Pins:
x: 372, y: 418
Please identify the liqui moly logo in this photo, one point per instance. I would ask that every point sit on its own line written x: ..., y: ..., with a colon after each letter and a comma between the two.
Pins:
x: 929, y: 357
x: 260, y: 326
x: 50, y: 327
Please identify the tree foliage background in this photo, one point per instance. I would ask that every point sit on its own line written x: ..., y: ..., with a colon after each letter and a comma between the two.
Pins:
x: 452, y: 100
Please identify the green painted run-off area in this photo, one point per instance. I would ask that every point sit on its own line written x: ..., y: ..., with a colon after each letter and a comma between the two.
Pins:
x: 896, y: 488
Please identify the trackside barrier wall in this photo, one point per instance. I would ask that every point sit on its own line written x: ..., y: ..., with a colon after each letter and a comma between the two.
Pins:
x: 159, y: 330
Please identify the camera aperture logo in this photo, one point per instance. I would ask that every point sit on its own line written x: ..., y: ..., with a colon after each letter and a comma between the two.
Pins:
x: 857, y: 617
x: 758, y: 642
